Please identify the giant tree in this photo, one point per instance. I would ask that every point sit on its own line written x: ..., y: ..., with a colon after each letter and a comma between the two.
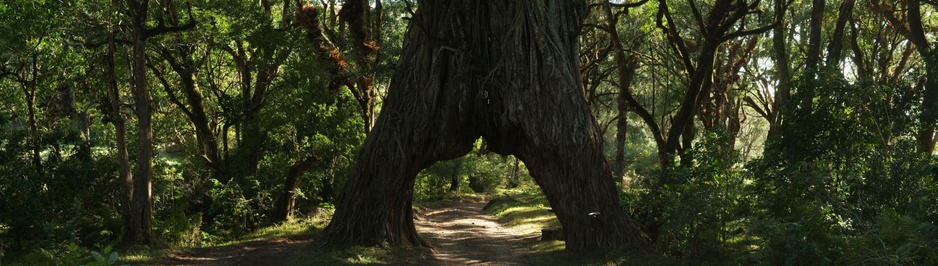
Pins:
x: 502, y: 70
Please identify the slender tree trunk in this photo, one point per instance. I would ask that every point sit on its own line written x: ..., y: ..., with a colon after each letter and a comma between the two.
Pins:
x: 327, y: 193
x: 35, y: 140
x: 835, y: 47
x: 286, y: 201
x: 455, y: 173
x: 120, y: 135
x: 625, y: 70
x: 445, y: 94
x: 929, y: 117
x: 194, y: 108
x: 513, y: 181
x: 141, y: 209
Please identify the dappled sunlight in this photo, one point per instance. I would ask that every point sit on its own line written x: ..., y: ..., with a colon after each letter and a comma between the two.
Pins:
x: 462, y: 235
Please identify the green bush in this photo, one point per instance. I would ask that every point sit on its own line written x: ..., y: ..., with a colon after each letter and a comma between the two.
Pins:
x: 72, y: 255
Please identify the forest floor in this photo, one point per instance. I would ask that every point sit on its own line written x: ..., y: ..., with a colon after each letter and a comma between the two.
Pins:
x: 460, y: 232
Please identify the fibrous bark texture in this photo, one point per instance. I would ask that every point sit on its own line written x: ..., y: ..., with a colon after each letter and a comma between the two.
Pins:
x: 502, y: 70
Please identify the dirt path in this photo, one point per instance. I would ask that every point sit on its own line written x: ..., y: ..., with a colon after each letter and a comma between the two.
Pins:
x: 459, y: 231
x: 463, y: 235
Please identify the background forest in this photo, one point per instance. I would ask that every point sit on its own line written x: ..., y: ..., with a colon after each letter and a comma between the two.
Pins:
x: 797, y: 132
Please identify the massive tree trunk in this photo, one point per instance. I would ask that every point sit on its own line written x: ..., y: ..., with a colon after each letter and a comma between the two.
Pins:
x: 503, y: 70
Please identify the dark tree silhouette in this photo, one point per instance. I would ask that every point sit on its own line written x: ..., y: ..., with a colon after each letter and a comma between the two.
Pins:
x: 505, y: 71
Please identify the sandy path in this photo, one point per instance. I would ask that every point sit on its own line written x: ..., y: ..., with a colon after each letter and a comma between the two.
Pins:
x: 463, y: 235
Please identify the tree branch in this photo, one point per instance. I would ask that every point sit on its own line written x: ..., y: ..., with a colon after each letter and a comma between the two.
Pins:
x: 161, y: 28
x: 742, y: 33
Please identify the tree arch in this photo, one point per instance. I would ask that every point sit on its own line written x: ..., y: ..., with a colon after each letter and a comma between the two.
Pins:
x: 505, y: 71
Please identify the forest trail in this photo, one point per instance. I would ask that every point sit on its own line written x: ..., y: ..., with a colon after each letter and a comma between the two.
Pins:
x: 462, y: 234
x: 459, y: 231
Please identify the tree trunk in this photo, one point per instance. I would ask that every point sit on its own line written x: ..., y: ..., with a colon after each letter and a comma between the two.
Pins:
x: 929, y: 117
x: 814, y: 36
x: 35, y: 140
x: 114, y: 116
x: 141, y: 209
x: 455, y: 173
x: 780, y: 55
x: 913, y: 29
x: 929, y: 114
x: 835, y: 47
x: 140, y: 218
x: 505, y: 70
x: 187, y: 69
x: 625, y: 70
x: 513, y: 179
x: 286, y: 201
x: 327, y: 193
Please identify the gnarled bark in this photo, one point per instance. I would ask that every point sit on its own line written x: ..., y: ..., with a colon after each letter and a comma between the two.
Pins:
x: 502, y: 70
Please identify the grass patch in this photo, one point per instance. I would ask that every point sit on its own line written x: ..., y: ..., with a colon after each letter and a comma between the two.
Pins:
x: 524, y: 211
x: 293, y: 227
x: 141, y: 256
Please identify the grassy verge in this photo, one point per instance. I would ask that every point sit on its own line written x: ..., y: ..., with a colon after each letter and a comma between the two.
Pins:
x: 144, y: 255
x: 527, y: 211
x: 313, y: 253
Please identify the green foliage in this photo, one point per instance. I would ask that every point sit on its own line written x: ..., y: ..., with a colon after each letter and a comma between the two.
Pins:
x: 74, y: 199
x: 477, y: 172
x: 703, y: 207
x: 843, y: 172
x: 73, y: 255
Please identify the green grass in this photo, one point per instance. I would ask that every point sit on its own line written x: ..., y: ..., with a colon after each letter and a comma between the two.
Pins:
x: 524, y: 210
x: 294, y: 226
